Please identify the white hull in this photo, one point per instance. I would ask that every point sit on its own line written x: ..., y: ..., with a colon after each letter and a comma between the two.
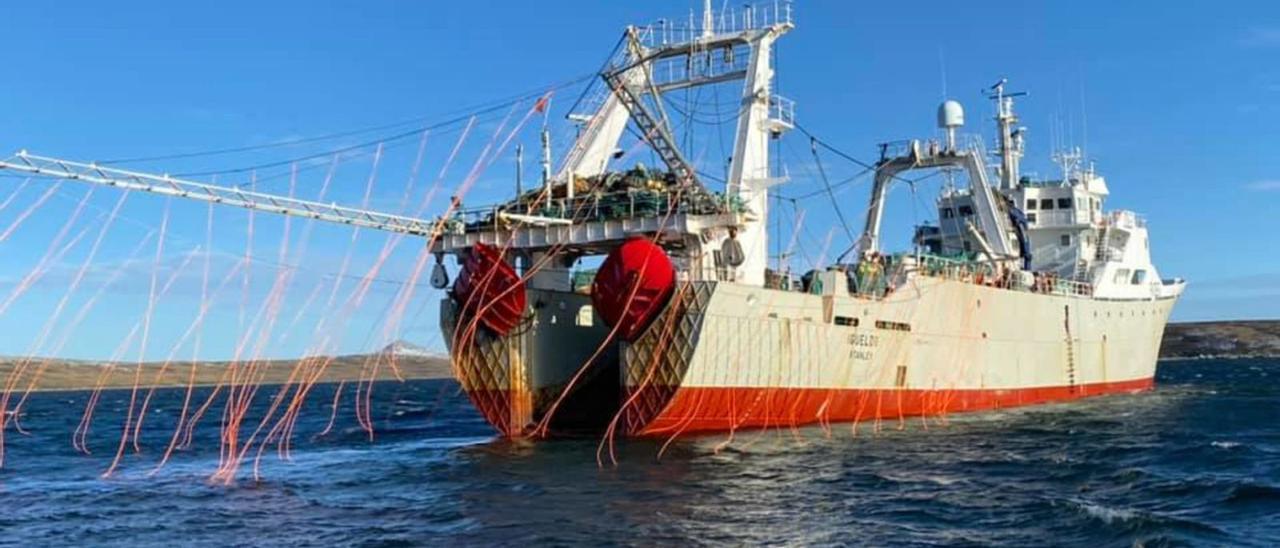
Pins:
x: 726, y: 355
x: 961, y: 336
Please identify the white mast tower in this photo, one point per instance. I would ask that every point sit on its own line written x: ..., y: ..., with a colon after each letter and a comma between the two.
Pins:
x: 711, y: 54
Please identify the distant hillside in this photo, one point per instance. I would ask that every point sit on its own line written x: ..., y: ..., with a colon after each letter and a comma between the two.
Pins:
x: 1259, y: 338
x: 413, y: 363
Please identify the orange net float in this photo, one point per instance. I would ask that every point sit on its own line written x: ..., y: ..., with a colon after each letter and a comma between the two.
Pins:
x: 487, y: 285
x: 633, y: 284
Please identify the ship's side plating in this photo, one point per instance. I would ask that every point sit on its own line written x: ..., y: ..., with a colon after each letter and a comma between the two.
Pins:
x: 762, y: 358
x: 724, y: 355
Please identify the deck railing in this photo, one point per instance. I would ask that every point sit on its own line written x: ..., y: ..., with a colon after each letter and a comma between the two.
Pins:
x: 589, y: 207
x: 982, y: 273
x: 1126, y: 219
x: 729, y: 20
x: 877, y: 278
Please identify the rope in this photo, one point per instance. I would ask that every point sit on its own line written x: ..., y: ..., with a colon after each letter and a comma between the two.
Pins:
x: 481, y: 108
x: 813, y: 147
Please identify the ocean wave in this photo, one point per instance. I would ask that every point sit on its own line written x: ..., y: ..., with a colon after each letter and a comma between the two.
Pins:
x: 1112, y: 516
x: 1131, y: 520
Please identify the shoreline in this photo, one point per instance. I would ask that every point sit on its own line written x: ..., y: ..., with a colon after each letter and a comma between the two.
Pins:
x: 57, y: 375
x: 211, y: 385
x: 1221, y: 357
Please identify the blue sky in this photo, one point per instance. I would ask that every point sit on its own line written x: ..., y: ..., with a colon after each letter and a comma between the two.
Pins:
x: 1179, y: 106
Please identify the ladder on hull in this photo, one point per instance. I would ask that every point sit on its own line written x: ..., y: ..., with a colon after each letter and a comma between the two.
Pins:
x: 1070, y: 344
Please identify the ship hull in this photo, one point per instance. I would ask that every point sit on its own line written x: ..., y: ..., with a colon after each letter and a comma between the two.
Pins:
x: 724, y: 356
x: 720, y: 409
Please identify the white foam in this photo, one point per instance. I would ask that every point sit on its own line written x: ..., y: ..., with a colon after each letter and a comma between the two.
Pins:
x: 1109, y: 515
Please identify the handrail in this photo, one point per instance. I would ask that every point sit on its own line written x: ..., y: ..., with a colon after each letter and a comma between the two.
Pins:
x: 981, y: 273
x: 624, y: 204
x: 730, y: 20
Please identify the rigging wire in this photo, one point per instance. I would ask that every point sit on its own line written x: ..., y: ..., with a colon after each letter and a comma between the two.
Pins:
x: 613, y: 53
x: 392, y: 138
x: 467, y: 111
x: 833, y: 149
x: 366, y: 144
x: 835, y: 204
x: 716, y: 117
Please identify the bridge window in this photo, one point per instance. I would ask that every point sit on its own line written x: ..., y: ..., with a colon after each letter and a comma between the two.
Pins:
x: 1121, y: 276
x: 845, y: 320
x: 1031, y: 204
x: 1046, y: 203
x: 966, y: 211
x: 1065, y: 240
x: 948, y: 213
x: 1064, y: 203
x: 1139, y: 276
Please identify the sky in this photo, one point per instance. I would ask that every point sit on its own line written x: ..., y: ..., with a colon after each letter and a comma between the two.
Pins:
x: 1179, y: 107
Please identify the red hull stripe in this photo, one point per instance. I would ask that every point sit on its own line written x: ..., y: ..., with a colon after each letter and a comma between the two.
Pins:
x: 705, y: 409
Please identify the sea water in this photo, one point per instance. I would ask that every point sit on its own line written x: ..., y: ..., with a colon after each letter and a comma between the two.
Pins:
x: 1196, y: 461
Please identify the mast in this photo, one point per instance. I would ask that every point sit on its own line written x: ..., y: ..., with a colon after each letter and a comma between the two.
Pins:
x: 546, y: 159
x: 519, y: 170
x: 708, y: 20
x: 749, y: 177
x: 650, y: 65
x: 1010, y: 136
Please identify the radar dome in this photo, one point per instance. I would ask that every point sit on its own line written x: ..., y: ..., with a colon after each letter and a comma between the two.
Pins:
x: 950, y: 114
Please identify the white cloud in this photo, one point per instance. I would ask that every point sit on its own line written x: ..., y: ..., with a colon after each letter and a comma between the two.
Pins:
x: 1262, y: 186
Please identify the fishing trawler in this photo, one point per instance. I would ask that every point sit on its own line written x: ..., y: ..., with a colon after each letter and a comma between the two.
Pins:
x: 1025, y: 291
x: 639, y: 301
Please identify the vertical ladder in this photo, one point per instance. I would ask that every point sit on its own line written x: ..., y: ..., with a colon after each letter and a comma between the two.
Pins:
x: 1071, y: 352
x: 655, y: 133
x: 1104, y: 243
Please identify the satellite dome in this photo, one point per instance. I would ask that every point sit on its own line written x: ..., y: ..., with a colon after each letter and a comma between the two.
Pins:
x: 950, y: 114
